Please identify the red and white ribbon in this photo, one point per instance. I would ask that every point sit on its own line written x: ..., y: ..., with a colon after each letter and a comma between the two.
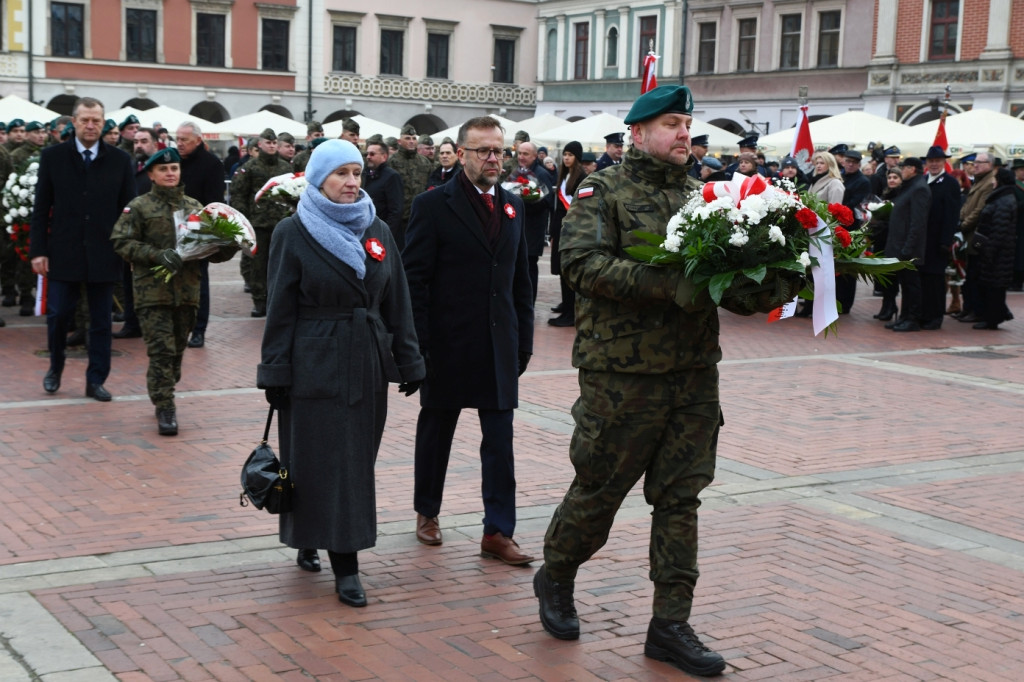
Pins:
x: 739, y: 187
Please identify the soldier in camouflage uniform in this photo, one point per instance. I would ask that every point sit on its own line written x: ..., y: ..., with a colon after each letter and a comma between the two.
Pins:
x: 144, y: 235
x: 414, y: 169
x: 111, y: 135
x: 350, y: 131
x: 15, y: 135
x: 24, y: 278
x: 264, y: 215
x: 128, y: 128
x: 647, y: 352
x: 8, y: 256
x: 313, y: 131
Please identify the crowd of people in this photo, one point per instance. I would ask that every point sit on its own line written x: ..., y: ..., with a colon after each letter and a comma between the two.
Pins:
x: 409, y: 263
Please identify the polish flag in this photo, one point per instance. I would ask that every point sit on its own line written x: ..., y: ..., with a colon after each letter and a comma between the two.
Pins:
x: 650, y: 80
x: 803, y: 148
x: 940, y: 139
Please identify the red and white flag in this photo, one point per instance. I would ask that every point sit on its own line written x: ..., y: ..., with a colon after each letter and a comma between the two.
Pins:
x: 940, y: 139
x: 650, y: 80
x: 41, y: 294
x: 803, y: 148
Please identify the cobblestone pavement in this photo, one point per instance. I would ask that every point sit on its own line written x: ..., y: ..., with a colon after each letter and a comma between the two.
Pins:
x: 865, y: 523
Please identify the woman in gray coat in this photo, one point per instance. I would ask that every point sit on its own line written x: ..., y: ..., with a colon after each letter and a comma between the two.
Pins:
x: 339, y: 328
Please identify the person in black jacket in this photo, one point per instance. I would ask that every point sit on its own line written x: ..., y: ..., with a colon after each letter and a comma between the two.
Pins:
x: 383, y: 184
x: 858, y: 188
x: 83, y: 185
x: 942, y: 219
x: 538, y: 212
x: 993, y: 246
x: 907, y: 240
x: 202, y: 174
x: 448, y: 167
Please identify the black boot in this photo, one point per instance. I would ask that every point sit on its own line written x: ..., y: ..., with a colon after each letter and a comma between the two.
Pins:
x: 308, y: 560
x: 259, y: 309
x: 676, y: 643
x: 166, y: 422
x: 350, y: 590
x: 28, y: 306
x: 888, y: 310
x: 557, y: 607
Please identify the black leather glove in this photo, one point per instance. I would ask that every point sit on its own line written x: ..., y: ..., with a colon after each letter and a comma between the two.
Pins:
x: 410, y: 387
x: 279, y: 397
x: 524, y: 360
x: 170, y: 259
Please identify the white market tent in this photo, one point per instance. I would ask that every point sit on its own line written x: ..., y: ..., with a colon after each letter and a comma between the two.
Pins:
x: 590, y: 133
x: 540, y: 124
x: 12, y: 107
x: 368, y: 127
x: 168, y: 117
x: 720, y: 140
x: 508, y: 124
x: 854, y: 128
x: 254, y: 124
x: 972, y: 131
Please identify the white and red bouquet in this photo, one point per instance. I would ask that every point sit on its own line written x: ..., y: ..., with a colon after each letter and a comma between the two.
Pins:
x: 207, y: 231
x: 284, y: 189
x: 19, y: 195
x: 527, y: 187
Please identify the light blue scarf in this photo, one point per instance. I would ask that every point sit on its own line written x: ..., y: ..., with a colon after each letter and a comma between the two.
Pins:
x: 339, y: 228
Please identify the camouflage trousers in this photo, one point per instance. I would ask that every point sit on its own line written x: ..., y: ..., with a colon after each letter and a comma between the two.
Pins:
x: 663, y: 427
x: 258, y: 273
x: 165, y: 331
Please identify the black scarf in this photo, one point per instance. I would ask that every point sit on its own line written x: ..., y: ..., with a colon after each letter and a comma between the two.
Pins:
x: 490, y: 221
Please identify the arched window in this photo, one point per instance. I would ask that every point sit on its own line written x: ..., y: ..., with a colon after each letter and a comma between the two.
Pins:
x: 552, y: 70
x: 612, y: 47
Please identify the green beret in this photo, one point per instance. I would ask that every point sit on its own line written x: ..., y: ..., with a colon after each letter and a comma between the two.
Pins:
x: 131, y: 120
x: 407, y: 129
x: 522, y: 136
x: 286, y: 137
x: 33, y: 125
x: 16, y: 123
x: 269, y: 135
x: 350, y: 125
x: 314, y: 127
x: 426, y: 139
x: 108, y: 126
x: 169, y: 155
x: 68, y: 131
x: 316, y: 141
x: 665, y: 99
x: 588, y: 157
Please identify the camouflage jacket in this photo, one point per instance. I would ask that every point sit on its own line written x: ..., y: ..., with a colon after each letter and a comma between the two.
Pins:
x: 414, y: 169
x: 144, y: 230
x: 127, y: 145
x: 249, y: 179
x: 6, y: 167
x: 633, y: 317
x: 300, y: 160
x: 23, y: 153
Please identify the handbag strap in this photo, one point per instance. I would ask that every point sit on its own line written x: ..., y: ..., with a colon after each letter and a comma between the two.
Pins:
x: 266, y: 431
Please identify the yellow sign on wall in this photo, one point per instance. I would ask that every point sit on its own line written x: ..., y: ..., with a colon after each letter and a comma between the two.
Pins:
x: 16, y: 20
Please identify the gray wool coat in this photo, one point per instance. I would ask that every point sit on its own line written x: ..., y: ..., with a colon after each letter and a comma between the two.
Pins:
x: 336, y: 341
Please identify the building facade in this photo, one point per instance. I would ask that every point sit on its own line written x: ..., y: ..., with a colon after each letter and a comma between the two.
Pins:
x: 323, y: 59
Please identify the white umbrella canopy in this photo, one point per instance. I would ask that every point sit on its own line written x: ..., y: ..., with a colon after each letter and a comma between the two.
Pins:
x: 720, y: 140
x: 972, y: 131
x: 254, y: 124
x: 368, y: 127
x: 12, y: 107
x: 854, y: 128
x: 508, y: 124
x: 540, y: 124
x: 589, y: 132
x: 168, y: 117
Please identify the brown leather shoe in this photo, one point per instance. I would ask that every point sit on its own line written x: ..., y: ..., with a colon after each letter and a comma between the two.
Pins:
x: 428, y: 531
x: 498, y: 546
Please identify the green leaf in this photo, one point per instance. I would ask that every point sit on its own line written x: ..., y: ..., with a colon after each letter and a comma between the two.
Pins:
x: 719, y: 283
x: 756, y: 273
x: 649, y: 237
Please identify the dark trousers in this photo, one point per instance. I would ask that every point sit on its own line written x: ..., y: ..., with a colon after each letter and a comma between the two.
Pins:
x: 60, y: 308
x: 203, y: 316
x: 434, y: 432
x: 970, y: 289
x: 910, y: 305
x: 933, y: 296
x: 846, y: 291
x: 992, y: 304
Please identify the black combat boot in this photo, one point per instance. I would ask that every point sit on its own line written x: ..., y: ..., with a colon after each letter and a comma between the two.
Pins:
x: 676, y: 643
x: 557, y: 607
x: 166, y: 422
x: 259, y: 309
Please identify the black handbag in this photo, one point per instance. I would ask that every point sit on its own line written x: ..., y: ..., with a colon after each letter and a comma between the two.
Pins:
x: 264, y: 479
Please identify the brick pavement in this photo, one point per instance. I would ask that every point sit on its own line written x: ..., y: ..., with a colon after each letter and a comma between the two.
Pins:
x: 863, y: 524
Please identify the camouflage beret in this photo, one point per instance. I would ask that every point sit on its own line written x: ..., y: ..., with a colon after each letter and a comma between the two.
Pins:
x: 33, y: 125
x: 426, y: 139
x: 665, y: 99
x: 350, y: 125
x: 286, y: 137
x: 269, y: 135
x: 168, y: 155
x: 314, y: 127
x: 131, y: 120
x: 522, y: 136
x: 408, y: 129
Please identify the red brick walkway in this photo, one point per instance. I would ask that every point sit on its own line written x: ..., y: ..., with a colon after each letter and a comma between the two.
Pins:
x: 865, y: 523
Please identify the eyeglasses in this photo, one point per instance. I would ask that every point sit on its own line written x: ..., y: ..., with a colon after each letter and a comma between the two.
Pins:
x: 484, y: 153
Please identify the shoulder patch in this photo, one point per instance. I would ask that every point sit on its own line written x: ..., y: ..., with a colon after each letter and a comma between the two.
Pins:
x: 585, y: 192
x: 127, y: 209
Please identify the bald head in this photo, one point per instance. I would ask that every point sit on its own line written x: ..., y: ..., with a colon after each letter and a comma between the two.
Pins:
x: 527, y: 154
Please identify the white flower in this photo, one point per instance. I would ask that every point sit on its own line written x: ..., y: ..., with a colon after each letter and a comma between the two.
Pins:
x: 6, y: 203
x: 23, y: 212
x: 805, y: 259
x: 739, y: 238
x: 775, y: 235
x: 672, y: 242
x: 24, y: 194
x: 675, y: 224
x: 10, y: 228
x: 9, y: 219
x: 34, y: 166
x: 15, y: 188
x: 32, y: 180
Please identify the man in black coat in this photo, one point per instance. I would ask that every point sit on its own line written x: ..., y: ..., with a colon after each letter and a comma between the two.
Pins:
x: 383, y: 184
x: 612, y: 151
x: 942, y: 219
x: 537, y: 212
x: 202, y: 174
x: 467, y: 266
x: 83, y: 186
x: 858, y: 188
x: 907, y: 240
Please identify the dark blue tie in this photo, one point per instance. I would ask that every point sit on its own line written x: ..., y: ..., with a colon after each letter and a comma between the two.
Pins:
x: 87, y: 157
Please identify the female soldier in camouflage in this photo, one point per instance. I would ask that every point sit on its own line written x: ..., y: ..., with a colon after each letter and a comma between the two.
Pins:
x: 145, y: 236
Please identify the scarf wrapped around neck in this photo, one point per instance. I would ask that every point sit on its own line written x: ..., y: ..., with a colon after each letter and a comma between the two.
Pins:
x: 339, y: 228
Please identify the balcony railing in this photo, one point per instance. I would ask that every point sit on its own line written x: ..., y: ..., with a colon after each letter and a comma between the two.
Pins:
x: 430, y: 90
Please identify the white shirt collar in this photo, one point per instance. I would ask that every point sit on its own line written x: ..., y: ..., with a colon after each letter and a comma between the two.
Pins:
x: 81, y: 147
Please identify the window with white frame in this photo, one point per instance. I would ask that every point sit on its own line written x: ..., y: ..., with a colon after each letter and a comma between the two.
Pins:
x: 506, y: 44
x: 392, y: 44
x: 439, y: 47
x: 828, y: 38
x: 275, y: 36
x: 211, y: 33
x: 790, y: 33
x: 344, y: 40
x: 142, y: 31
x: 746, y: 44
x: 707, y: 44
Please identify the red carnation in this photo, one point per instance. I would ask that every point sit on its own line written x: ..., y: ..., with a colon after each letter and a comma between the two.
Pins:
x: 842, y: 236
x: 841, y: 213
x: 523, y: 180
x: 807, y: 218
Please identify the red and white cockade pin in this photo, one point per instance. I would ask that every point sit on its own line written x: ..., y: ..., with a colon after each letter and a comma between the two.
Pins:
x: 509, y: 211
x: 375, y: 249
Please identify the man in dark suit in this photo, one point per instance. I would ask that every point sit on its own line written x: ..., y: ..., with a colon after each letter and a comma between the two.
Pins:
x: 83, y: 186
x: 537, y: 212
x: 858, y: 189
x: 383, y: 184
x: 467, y: 266
x: 612, y: 151
x: 202, y: 174
x: 942, y: 219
